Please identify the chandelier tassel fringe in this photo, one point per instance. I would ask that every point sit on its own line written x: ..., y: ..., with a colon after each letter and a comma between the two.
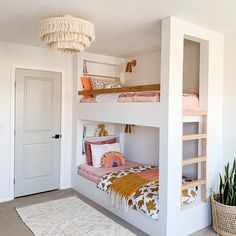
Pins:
x: 67, y: 34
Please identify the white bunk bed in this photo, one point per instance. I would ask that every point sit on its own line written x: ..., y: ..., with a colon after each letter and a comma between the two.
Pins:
x: 168, y: 116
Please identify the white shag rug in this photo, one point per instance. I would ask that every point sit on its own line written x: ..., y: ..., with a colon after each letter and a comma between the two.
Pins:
x: 69, y: 217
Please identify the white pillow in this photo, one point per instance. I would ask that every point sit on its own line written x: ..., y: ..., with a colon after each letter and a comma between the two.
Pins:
x: 99, y: 150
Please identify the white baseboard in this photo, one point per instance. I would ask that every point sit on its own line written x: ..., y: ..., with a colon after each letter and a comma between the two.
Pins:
x: 65, y: 187
x: 5, y: 199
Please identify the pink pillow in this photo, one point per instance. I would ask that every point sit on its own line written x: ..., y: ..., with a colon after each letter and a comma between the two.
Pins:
x: 87, y: 146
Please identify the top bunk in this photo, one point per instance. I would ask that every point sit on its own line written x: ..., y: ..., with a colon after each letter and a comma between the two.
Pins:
x: 117, y: 94
x: 133, y: 104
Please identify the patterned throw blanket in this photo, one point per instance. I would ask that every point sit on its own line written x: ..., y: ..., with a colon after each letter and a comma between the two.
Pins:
x: 123, y: 188
x: 144, y: 198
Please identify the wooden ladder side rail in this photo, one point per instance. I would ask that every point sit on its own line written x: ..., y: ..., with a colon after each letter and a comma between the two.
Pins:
x: 203, y: 153
x: 139, y: 88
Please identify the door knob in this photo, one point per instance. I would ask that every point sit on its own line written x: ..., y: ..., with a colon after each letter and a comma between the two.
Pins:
x: 57, y: 136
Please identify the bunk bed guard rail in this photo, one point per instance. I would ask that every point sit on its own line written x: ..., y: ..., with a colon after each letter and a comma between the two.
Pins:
x: 139, y: 88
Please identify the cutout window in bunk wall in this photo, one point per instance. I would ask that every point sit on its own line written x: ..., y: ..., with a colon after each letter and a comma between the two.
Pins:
x: 191, y: 67
x: 191, y: 85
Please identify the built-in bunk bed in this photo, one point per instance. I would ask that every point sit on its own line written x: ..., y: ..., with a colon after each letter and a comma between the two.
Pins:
x: 131, y: 189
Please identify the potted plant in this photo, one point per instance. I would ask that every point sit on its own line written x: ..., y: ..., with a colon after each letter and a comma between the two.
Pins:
x: 224, y: 203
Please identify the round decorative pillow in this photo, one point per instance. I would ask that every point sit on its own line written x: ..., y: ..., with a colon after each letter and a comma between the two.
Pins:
x: 112, y: 159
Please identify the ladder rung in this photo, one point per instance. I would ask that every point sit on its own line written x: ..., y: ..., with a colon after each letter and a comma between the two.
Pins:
x: 193, y: 161
x: 194, y: 137
x: 194, y: 113
x: 193, y: 183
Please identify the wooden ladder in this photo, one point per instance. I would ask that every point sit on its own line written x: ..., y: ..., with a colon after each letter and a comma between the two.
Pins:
x: 199, y: 159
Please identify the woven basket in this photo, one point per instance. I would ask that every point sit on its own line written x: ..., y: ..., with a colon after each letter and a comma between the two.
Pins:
x: 224, y: 217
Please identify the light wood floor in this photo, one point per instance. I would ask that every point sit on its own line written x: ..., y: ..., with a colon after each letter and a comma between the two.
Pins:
x: 12, y: 225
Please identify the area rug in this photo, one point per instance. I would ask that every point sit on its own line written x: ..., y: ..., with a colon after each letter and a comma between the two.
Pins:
x: 69, y: 217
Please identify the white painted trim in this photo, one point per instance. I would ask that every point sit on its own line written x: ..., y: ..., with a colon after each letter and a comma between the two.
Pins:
x: 4, y: 200
x: 139, y: 219
x: 110, y: 112
x: 12, y: 124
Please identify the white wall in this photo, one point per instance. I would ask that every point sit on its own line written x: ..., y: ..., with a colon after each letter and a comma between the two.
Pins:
x: 147, y: 71
x: 229, y: 100
x: 142, y: 145
x: 148, y: 68
x: 31, y: 57
x: 191, y: 67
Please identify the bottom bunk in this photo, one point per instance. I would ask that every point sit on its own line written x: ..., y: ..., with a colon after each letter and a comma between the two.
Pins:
x: 132, y: 185
x: 108, y: 173
x: 90, y: 190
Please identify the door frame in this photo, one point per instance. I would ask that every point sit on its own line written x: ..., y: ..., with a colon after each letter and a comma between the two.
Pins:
x: 63, y: 156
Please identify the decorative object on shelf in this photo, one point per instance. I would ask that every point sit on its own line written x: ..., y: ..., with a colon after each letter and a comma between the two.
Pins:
x: 66, y: 34
x: 128, y: 128
x: 84, y: 131
x: 130, y: 66
x: 85, y: 68
x: 97, y: 131
x: 224, y: 203
x: 103, y: 131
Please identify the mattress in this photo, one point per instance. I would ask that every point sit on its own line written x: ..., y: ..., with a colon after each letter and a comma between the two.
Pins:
x: 95, y: 174
x: 190, y: 101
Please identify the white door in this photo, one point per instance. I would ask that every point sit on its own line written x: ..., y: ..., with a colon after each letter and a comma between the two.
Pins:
x: 37, y: 131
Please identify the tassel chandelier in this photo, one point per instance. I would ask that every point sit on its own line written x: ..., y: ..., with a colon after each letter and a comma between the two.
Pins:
x: 66, y: 34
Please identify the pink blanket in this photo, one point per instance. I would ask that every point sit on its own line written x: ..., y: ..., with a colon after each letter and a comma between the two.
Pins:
x: 139, y: 97
x: 95, y: 174
x: 190, y: 101
x: 151, y: 175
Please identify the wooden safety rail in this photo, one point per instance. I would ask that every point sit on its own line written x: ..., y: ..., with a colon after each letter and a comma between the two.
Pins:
x: 139, y: 88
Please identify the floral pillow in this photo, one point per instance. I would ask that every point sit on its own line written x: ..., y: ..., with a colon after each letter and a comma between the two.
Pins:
x: 105, y: 84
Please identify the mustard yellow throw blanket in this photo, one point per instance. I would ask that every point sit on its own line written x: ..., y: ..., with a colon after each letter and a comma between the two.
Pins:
x: 122, y: 189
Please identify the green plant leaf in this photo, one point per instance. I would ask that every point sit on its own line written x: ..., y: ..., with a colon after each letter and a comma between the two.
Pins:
x: 227, y: 186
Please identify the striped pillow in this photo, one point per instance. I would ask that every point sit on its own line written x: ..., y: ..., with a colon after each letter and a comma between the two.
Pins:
x: 88, y: 151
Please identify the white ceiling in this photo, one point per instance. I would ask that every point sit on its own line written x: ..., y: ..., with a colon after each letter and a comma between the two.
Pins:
x: 123, y: 27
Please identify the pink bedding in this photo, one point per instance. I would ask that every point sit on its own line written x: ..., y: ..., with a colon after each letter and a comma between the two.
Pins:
x: 139, y: 97
x: 95, y: 174
x: 190, y: 101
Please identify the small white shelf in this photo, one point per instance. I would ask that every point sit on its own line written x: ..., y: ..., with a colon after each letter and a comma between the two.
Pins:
x: 100, y: 138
